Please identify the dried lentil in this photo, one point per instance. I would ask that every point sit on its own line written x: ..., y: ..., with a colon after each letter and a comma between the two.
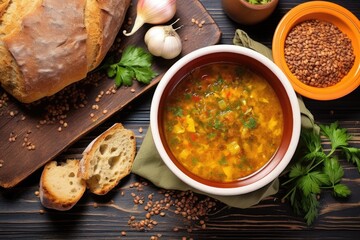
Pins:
x: 318, y: 53
x: 185, y: 204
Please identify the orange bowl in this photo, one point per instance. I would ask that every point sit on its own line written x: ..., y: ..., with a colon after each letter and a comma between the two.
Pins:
x: 339, y: 16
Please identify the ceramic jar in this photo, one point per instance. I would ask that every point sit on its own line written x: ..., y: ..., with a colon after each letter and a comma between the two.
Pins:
x: 246, y: 13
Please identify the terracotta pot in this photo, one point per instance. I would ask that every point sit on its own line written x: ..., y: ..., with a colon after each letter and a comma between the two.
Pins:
x: 246, y: 13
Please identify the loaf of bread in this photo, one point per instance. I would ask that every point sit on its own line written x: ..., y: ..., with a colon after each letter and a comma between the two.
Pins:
x: 60, y: 186
x: 108, y: 159
x: 46, y: 45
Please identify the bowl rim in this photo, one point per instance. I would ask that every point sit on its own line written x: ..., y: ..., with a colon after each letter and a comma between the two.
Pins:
x: 295, y: 114
x: 338, y: 14
x: 259, y: 6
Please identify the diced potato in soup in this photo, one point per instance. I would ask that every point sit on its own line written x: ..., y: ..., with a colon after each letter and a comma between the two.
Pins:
x: 223, y: 122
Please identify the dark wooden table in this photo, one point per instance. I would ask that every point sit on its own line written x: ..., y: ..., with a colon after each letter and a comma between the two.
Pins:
x: 107, y: 217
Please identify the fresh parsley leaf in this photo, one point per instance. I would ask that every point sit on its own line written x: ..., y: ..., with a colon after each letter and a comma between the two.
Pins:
x: 311, y: 182
x: 333, y: 170
x: 352, y: 155
x: 143, y: 74
x: 315, y: 156
x: 338, y: 136
x: 135, y: 63
x: 341, y: 190
x: 111, y: 71
x: 311, y: 207
x: 298, y: 170
x: 314, y: 171
x: 311, y: 140
x: 135, y: 56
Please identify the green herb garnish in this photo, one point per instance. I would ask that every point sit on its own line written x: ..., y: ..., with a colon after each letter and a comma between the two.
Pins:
x: 315, y: 170
x: 223, y: 161
x: 135, y: 63
x: 251, y: 123
x: 258, y: 1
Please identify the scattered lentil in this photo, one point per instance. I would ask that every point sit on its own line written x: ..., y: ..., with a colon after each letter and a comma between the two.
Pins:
x: 318, y: 53
x: 12, y: 137
x: 185, y: 204
x: 199, y: 24
x: 3, y: 99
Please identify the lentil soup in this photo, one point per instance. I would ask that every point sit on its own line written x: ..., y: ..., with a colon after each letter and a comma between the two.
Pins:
x: 223, y: 122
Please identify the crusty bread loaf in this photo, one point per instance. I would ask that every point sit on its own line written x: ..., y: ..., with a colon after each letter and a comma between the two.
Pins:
x: 108, y: 159
x: 60, y: 186
x: 46, y: 45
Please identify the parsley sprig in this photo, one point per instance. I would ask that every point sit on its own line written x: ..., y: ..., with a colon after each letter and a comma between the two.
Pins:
x: 135, y: 63
x: 315, y: 170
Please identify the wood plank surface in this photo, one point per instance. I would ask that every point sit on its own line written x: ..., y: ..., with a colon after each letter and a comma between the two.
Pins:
x: 39, y: 125
x: 107, y: 217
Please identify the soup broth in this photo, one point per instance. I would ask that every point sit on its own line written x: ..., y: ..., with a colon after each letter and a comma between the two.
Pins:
x: 223, y: 122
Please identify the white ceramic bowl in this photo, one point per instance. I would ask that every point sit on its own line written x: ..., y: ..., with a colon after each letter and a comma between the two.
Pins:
x: 281, y: 85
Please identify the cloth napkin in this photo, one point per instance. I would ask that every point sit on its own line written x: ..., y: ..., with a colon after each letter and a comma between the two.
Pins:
x: 149, y: 165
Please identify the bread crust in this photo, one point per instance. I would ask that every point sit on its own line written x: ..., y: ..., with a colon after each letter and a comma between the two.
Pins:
x: 60, y: 187
x: 55, y: 43
x: 101, y: 176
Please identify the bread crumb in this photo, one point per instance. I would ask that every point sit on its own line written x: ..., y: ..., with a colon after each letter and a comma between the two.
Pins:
x: 37, y: 193
x: 104, y: 111
x: 132, y: 90
x: 95, y: 205
x: 140, y: 130
x: 41, y: 211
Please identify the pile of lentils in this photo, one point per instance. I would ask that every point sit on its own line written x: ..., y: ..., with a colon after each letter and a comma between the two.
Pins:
x: 193, y: 208
x: 318, y: 53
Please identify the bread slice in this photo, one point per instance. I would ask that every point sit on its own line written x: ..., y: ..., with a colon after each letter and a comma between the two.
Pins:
x: 60, y: 186
x: 108, y: 159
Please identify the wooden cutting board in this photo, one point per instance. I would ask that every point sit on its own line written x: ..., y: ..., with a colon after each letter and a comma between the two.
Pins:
x: 23, y: 126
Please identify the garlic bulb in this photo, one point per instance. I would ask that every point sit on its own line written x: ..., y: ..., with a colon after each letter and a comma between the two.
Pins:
x: 163, y: 41
x: 154, y: 12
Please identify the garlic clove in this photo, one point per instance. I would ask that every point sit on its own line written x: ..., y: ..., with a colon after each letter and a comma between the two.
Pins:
x: 172, y: 47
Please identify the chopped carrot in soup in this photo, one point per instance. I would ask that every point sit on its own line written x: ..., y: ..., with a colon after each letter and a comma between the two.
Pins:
x: 223, y: 122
